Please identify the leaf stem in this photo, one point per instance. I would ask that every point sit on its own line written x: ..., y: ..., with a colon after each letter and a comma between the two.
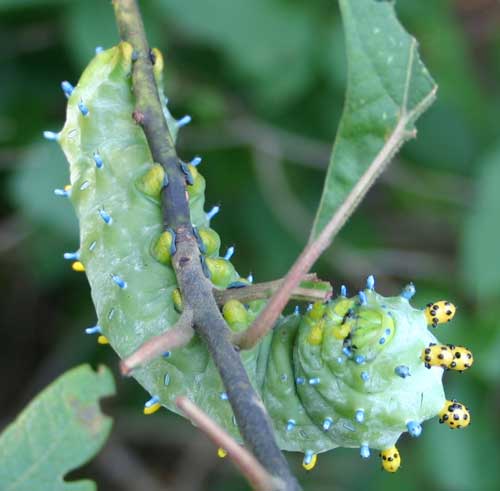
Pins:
x: 313, y: 250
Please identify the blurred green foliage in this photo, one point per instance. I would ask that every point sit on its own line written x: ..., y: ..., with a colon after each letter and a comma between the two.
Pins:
x: 264, y: 82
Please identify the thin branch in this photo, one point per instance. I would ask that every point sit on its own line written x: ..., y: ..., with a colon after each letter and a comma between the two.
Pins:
x: 309, y: 290
x: 253, y: 422
x: 248, y: 465
x: 316, y: 247
x: 176, y: 337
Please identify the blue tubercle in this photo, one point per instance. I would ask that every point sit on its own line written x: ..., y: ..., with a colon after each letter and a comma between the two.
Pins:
x: 210, y: 214
x: 308, y: 457
x: 414, y: 428
x: 223, y: 396
x: 93, y: 330
x: 229, y: 253
x: 347, y: 351
x: 402, y: 371
x: 167, y: 354
x: 314, y: 381
x: 196, y: 161
x: 343, y: 291
x: 364, y: 451
x: 67, y: 88
x: 62, y: 192
x: 327, y: 423
x: 106, y: 217
x: 98, y: 49
x: 119, y: 281
x: 359, y: 359
x: 183, y: 121
x: 83, y: 108
x: 72, y: 256
x: 51, y: 135
x: 152, y: 401
x: 173, y: 245
x: 359, y: 415
x: 362, y: 298
x: 290, y: 424
x: 250, y: 278
x: 370, y: 282
x: 299, y: 380
x: 296, y: 310
x: 98, y: 160
x: 408, y: 291
x: 365, y: 376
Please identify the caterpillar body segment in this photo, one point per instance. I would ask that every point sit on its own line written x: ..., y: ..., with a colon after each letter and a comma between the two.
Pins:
x: 353, y: 372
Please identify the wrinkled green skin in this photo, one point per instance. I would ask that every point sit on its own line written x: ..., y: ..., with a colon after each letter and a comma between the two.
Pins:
x: 130, y: 316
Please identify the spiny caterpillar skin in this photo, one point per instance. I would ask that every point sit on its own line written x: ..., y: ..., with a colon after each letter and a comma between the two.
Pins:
x: 354, y: 372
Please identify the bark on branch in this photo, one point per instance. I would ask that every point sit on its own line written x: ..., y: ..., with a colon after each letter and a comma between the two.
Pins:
x: 252, y: 419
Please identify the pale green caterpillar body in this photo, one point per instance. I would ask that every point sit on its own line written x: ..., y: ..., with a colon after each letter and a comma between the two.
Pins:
x: 354, y: 372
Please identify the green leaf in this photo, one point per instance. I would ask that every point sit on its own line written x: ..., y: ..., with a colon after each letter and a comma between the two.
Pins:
x: 61, y: 429
x: 388, y: 87
x: 481, y: 241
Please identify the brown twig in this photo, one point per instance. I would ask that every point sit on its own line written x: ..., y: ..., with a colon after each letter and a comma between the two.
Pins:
x: 309, y: 290
x: 248, y: 465
x: 251, y: 416
x: 176, y: 337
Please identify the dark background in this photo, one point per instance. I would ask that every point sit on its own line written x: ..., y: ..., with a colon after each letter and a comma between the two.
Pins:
x: 264, y: 83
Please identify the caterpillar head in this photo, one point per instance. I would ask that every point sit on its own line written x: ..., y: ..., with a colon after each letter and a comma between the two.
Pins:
x: 371, y: 367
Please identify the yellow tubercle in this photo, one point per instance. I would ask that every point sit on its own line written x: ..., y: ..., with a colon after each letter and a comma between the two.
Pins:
x: 210, y: 239
x: 341, y: 331
x: 127, y: 50
x: 342, y: 306
x: 439, y: 312
x: 78, y: 267
x: 151, y: 409
x: 177, y: 299
x: 235, y: 314
x: 151, y: 183
x: 437, y: 355
x: 310, y: 465
x: 102, y: 339
x: 67, y: 187
x: 317, y: 311
x: 455, y: 415
x: 391, y: 460
x: 159, y: 63
x: 161, y: 248
x: 316, y: 335
x: 221, y: 453
x: 462, y: 358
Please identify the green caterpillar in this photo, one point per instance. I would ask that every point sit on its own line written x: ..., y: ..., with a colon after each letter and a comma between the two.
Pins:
x: 352, y: 372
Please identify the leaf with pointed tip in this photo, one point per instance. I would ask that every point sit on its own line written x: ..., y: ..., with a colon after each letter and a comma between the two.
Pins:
x: 388, y: 87
x: 61, y: 429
